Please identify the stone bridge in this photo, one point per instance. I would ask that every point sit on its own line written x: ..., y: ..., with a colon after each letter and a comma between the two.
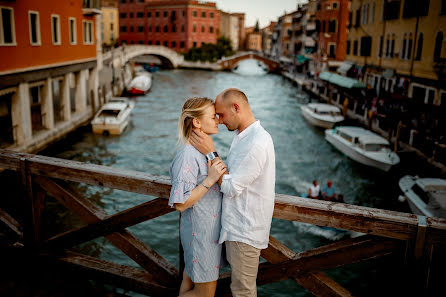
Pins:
x: 228, y: 63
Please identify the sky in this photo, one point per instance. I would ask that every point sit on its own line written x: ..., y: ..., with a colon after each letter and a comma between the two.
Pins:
x: 263, y: 10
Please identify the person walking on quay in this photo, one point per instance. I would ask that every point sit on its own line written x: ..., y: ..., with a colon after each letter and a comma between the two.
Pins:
x: 196, y: 195
x: 248, y: 188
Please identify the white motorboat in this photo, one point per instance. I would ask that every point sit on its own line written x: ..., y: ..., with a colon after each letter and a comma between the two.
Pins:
x: 141, y: 84
x: 113, y: 117
x: 425, y: 196
x: 322, y: 115
x: 363, y: 146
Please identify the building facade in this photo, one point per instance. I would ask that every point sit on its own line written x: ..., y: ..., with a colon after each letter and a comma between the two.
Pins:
x: 267, y: 37
x: 49, y: 82
x: 332, y: 18
x: 109, y: 25
x: 177, y: 24
x: 230, y: 28
x: 400, y: 47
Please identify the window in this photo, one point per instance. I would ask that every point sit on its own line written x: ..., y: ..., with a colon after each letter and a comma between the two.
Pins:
x: 202, y: 29
x: 149, y: 42
x: 174, y: 28
x: 131, y: 29
x: 350, y: 19
x: 165, y: 43
x: 194, y: 28
x: 409, y: 47
x: 140, y: 29
x: 157, y: 43
x: 419, y: 47
x: 157, y: 14
x: 182, y: 44
x: 422, y: 93
x: 7, y: 26
x: 140, y: 42
x: 55, y: 29
x: 174, y: 44
x: 165, y: 14
x: 391, y: 10
x: 140, y: 14
x: 34, y: 28
x: 194, y: 44
x: 150, y: 28
x: 323, y: 26
x: 335, y: 5
x: 365, y: 14
x: 211, y: 29
x: 387, y: 46
x: 355, y: 48
x: 194, y: 13
x: 332, y: 50
x: 403, y: 47
x: 348, y: 47
x: 372, y: 14
x: 72, y: 28
x: 122, y: 15
x: 88, y: 32
x: 182, y: 28
x: 358, y: 18
x: 123, y: 29
x: 149, y: 14
x: 413, y: 8
x: 380, y: 47
x: 438, y: 45
x: 131, y: 15
x: 366, y: 46
x: 183, y: 13
x: 443, y: 7
x: 332, y: 26
x: 211, y: 15
x: 157, y: 29
x: 166, y: 29
x: 203, y: 14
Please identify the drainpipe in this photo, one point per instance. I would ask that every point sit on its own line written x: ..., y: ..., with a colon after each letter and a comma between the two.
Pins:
x: 414, y: 45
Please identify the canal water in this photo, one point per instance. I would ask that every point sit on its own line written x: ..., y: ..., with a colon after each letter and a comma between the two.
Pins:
x: 302, y: 155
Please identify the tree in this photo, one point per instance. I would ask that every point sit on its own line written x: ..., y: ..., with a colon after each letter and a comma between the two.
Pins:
x: 257, y: 29
x: 210, y: 52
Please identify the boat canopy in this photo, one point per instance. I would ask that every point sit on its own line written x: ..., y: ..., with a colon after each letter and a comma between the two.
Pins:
x: 364, y: 136
x: 324, y: 107
x: 342, y: 81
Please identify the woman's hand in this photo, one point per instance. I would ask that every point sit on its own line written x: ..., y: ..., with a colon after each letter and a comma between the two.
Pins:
x: 215, y: 170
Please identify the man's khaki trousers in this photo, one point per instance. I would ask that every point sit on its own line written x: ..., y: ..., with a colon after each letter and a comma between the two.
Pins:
x: 244, y: 260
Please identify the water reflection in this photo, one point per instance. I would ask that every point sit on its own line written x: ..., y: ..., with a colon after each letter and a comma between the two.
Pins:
x: 251, y: 67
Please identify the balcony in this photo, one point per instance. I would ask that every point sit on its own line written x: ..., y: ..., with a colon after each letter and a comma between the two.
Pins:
x: 91, y: 7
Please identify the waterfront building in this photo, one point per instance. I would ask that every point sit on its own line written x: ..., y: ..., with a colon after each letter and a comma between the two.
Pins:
x: 230, y: 28
x: 109, y: 23
x: 253, y: 39
x: 332, y: 18
x: 49, y: 70
x: 176, y: 24
x: 400, y: 45
x: 241, y: 27
x: 267, y: 37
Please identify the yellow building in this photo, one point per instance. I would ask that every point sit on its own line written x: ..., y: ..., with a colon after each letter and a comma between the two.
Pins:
x: 110, y: 25
x: 402, y: 45
x: 254, y: 41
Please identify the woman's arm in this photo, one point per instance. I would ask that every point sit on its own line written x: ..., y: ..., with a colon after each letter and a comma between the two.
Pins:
x: 214, y: 172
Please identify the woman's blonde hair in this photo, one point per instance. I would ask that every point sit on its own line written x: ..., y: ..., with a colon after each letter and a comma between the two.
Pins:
x: 192, y: 108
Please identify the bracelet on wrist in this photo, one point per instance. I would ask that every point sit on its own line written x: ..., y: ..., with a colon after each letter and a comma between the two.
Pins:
x: 204, y: 186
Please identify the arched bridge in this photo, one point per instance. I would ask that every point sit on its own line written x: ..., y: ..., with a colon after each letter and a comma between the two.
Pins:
x: 228, y: 63
x: 123, y: 54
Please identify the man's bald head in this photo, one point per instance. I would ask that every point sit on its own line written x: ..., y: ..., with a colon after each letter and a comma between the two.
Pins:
x: 232, y: 95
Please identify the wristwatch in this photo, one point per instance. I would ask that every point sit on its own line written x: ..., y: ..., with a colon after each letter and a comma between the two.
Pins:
x: 211, y: 156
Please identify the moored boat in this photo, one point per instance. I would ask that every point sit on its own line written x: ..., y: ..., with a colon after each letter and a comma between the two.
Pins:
x: 141, y: 84
x: 322, y: 115
x: 113, y: 117
x: 363, y: 146
x: 425, y: 196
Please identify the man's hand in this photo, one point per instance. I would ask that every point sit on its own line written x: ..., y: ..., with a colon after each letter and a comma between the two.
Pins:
x: 202, y: 142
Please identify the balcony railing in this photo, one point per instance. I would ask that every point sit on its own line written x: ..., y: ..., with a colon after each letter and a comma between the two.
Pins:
x: 91, y: 7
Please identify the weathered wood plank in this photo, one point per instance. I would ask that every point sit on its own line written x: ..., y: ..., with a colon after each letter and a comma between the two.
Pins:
x: 114, y: 223
x: 317, y: 283
x: 147, y: 258
x: 126, y: 180
x: 122, y: 276
x: 326, y: 257
x: 323, y: 213
x: 11, y: 223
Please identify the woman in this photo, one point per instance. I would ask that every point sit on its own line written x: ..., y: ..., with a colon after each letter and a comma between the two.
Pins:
x: 197, y: 197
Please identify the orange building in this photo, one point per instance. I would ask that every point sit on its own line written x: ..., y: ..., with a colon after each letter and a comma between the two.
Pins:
x: 332, y: 17
x: 45, y: 33
x: 48, y: 70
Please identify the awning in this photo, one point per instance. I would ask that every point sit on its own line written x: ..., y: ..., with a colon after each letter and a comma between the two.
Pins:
x: 302, y: 58
x: 345, y: 82
x: 345, y: 67
x: 334, y: 63
x: 309, y: 42
x: 285, y: 59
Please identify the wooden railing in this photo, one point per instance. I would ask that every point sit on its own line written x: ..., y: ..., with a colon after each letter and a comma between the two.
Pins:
x: 385, y: 232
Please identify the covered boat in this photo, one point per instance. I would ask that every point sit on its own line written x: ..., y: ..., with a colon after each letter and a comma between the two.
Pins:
x: 322, y: 115
x: 113, y: 117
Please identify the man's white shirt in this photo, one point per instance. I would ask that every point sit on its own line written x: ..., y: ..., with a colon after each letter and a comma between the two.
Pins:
x: 248, y: 190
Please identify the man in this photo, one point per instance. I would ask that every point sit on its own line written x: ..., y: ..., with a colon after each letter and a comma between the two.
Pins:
x: 248, y: 188
x: 314, y: 190
x: 329, y: 192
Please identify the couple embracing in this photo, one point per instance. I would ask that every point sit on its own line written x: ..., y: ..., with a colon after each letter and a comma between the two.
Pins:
x: 222, y: 204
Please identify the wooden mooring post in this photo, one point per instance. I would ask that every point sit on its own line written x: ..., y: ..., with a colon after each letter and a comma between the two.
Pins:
x: 420, y: 241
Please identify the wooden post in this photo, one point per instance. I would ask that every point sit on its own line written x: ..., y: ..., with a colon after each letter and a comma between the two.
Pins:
x: 32, y: 209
